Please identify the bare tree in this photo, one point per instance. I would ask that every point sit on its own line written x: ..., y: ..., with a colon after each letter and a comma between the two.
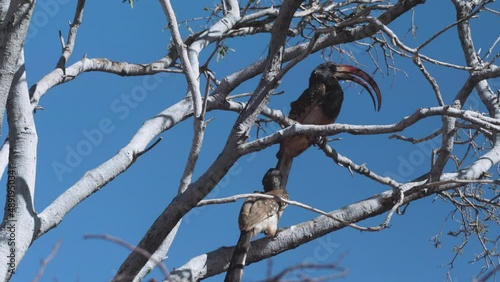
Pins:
x: 297, y: 29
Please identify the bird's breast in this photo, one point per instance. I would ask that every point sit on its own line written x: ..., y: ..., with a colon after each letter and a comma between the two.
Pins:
x: 317, y: 116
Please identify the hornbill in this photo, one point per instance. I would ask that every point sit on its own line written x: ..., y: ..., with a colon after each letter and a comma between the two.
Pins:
x: 320, y: 104
x: 257, y: 215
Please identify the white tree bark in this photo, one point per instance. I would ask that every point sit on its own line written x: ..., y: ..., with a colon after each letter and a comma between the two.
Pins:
x: 14, y: 21
x: 22, y: 225
x: 20, y: 219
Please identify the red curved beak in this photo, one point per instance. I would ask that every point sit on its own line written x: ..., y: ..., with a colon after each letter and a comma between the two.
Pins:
x: 347, y: 72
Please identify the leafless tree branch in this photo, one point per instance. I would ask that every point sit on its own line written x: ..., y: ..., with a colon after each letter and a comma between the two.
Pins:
x: 46, y: 261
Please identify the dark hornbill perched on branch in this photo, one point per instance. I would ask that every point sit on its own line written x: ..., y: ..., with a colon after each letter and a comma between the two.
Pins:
x: 320, y: 104
x: 257, y: 215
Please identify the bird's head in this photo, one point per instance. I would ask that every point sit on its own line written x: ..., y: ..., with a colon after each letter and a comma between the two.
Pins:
x: 271, y: 180
x: 330, y: 70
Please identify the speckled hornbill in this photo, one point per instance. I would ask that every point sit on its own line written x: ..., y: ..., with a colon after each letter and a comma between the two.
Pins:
x: 257, y: 215
x: 320, y: 104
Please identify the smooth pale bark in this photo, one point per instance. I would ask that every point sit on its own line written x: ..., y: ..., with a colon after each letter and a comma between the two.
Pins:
x: 23, y: 148
x: 20, y: 219
x: 15, y: 17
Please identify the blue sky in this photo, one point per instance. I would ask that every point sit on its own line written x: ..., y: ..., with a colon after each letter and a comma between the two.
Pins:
x: 127, y: 206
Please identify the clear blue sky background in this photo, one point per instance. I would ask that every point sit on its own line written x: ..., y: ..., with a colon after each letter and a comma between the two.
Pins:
x: 127, y: 206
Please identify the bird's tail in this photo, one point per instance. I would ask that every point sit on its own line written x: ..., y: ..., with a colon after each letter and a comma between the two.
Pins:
x: 284, y: 166
x: 235, y: 270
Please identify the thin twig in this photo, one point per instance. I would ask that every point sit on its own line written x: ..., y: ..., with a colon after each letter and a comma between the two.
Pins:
x: 430, y: 39
x: 67, y: 48
x: 234, y: 198
x: 490, y: 50
x: 430, y: 79
x: 489, y: 274
x: 396, y: 42
x: 45, y: 261
x: 241, y: 95
x: 310, y: 266
x: 492, y: 11
x: 132, y: 248
x: 415, y: 141
x: 361, y: 169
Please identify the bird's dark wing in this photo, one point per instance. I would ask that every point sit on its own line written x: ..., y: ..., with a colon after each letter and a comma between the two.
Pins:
x: 304, y: 105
